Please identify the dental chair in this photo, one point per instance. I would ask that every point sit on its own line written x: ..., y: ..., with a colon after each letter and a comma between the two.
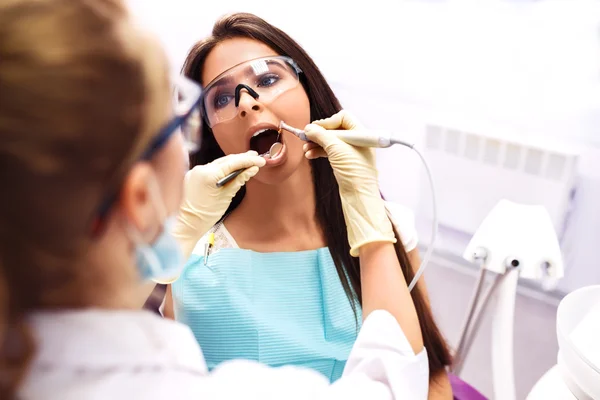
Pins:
x: 461, y: 390
x: 576, y: 375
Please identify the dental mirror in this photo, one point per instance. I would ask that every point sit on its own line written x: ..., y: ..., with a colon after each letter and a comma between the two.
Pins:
x: 275, y: 149
x: 273, y: 152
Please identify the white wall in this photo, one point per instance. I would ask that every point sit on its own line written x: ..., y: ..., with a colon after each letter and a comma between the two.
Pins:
x: 530, y: 66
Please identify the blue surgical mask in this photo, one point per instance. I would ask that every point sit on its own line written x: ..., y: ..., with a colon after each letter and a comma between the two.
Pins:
x: 163, y: 258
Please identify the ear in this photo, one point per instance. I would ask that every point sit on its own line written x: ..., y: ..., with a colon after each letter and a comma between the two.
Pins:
x: 136, y: 201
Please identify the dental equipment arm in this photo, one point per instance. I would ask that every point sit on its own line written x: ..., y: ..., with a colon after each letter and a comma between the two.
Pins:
x: 361, y: 137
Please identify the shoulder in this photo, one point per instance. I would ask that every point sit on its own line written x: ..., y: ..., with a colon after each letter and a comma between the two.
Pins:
x: 403, y: 219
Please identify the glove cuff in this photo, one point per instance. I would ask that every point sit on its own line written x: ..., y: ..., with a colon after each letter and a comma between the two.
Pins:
x: 367, y: 222
x: 355, y: 249
x: 189, y: 230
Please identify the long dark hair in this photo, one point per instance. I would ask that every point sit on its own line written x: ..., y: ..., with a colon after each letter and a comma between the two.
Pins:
x: 323, y: 104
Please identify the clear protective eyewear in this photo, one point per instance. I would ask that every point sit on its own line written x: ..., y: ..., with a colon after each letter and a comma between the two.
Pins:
x: 264, y: 78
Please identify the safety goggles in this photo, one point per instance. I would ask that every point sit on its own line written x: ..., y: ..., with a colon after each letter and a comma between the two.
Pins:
x: 186, y: 120
x: 265, y: 79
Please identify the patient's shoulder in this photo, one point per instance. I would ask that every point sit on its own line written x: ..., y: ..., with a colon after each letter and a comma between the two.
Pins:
x: 403, y: 219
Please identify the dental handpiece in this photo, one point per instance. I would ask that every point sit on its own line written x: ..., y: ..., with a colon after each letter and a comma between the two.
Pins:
x: 358, y: 138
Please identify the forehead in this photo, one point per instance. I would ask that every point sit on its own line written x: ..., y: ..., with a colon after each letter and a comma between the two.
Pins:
x: 232, y: 52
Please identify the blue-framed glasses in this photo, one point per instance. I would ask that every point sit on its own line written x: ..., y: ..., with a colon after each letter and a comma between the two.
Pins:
x: 187, y: 121
x: 187, y: 98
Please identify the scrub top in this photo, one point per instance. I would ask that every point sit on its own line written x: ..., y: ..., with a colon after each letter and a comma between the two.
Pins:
x: 97, y: 354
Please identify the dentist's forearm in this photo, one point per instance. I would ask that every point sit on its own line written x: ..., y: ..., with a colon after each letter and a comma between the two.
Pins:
x: 384, y: 288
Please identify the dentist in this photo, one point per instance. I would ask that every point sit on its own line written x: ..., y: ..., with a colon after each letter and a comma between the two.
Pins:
x: 92, y: 166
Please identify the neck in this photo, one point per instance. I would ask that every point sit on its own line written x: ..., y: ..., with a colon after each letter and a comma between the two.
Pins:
x: 105, y: 277
x: 102, y: 293
x: 288, y: 207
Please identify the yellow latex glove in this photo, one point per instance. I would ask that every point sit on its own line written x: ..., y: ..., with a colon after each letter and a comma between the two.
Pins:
x: 204, y: 203
x: 356, y: 174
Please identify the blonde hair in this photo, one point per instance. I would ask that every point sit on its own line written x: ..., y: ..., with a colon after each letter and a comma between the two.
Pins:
x: 82, y: 91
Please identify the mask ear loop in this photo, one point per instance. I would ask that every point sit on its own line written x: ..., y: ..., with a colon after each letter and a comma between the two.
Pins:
x: 238, y: 90
x: 161, y: 208
x: 143, y: 248
x: 161, y: 211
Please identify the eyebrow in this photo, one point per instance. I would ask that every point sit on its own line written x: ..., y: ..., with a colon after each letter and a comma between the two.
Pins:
x: 222, y: 81
x: 248, y: 71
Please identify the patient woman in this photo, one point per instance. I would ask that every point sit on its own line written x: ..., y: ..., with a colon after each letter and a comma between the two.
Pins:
x: 279, y: 284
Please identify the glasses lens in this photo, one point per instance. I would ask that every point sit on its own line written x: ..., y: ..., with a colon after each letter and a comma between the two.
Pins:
x: 269, y: 77
x: 191, y: 131
x: 187, y: 106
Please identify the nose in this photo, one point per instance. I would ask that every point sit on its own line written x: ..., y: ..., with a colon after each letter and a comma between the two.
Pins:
x: 245, y: 99
x: 247, y: 104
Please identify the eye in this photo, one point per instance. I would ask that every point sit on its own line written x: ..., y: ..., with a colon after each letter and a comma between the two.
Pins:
x: 267, y: 80
x: 221, y: 100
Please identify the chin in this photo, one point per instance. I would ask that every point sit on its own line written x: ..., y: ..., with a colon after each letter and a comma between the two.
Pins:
x: 275, y: 175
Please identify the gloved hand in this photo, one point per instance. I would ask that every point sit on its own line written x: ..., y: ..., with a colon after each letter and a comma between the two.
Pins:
x: 356, y: 173
x: 204, y: 203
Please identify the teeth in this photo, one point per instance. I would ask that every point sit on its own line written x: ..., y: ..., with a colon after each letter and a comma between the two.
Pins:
x: 259, y: 132
x: 263, y: 130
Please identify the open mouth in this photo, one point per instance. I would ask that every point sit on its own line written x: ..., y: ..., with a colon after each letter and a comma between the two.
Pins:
x: 262, y: 140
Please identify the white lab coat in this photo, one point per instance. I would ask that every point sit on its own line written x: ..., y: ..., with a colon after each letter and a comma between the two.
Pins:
x: 129, y: 355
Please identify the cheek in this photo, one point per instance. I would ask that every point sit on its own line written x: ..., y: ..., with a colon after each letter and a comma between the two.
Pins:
x: 295, y: 151
x: 293, y: 107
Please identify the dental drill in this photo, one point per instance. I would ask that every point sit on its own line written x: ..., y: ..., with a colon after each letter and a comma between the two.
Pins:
x: 364, y: 138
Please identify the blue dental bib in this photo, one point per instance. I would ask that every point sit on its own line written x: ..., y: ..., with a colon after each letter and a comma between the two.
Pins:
x: 284, y: 308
